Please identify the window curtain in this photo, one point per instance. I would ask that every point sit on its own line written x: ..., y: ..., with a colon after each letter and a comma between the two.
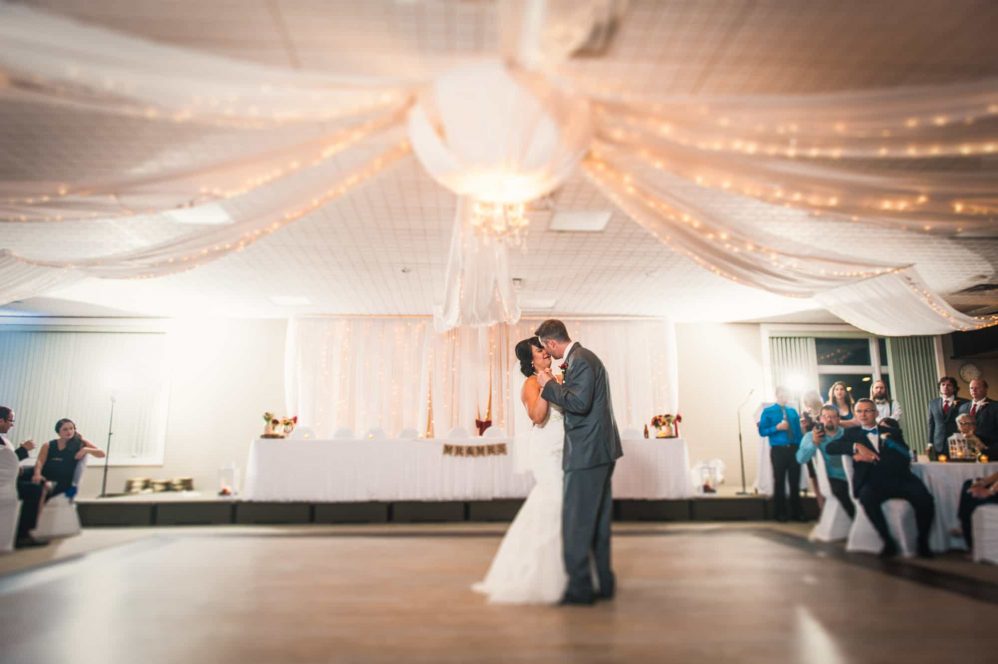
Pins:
x: 792, y: 358
x: 399, y: 373
x: 912, y: 360
x: 51, y: 375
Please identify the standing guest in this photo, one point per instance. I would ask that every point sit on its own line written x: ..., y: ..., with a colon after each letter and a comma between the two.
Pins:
x: 781, y: 424
x: 973, y: 494
x: 985, y: 413
x: 886, y: 407
x: 840, y: 397
x: 31, y: 495
x: 882, y: 472
x: 817, y: 440
x: 58, y: 458
x: 942, y: 415
x: 810, y: 416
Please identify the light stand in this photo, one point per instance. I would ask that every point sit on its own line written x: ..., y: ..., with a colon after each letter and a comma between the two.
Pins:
x: 107, y: 455
x: 741, y: 449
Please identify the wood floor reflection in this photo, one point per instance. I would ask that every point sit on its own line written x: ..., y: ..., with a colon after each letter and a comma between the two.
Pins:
x: 299, y: 595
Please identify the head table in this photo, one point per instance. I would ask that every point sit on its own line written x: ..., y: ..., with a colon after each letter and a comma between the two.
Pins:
x: 360, y: 470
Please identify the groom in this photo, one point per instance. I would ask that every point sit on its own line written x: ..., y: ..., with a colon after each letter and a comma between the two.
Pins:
x: 592, y: 447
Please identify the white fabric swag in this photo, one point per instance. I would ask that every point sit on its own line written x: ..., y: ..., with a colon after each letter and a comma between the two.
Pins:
x: 398, y: 373
x: 502, y: 132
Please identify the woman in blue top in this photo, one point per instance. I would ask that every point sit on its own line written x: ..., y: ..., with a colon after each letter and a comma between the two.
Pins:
x: 818, y: 439
x: 839, y: 396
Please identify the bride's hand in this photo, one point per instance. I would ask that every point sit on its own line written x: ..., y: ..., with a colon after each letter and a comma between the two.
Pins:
x: 543, y: 377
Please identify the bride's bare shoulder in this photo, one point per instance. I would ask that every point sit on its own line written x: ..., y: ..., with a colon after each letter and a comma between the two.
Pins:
x: 530, y: 389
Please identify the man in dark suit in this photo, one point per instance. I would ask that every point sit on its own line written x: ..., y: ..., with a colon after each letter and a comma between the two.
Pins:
x: 942, y: 415
x: 985, y: 412
x: 592, y: 447
x: 883, y: 471
x: 30, y: 494
x: 781, y: 424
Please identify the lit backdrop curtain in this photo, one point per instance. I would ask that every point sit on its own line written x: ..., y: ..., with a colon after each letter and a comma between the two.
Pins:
x: 398, y: 373
x: 913, y: 367
x: 792, y: 359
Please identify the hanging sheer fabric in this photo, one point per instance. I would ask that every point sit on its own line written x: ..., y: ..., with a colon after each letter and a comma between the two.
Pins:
x: 49, y: 56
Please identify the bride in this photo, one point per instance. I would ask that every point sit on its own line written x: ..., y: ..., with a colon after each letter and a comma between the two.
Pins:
x: 528, y: 568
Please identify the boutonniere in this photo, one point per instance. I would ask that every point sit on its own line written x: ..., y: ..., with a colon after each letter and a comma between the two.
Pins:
x: 564, y: 367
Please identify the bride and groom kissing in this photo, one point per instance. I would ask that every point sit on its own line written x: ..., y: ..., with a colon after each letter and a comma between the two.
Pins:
x: 557, y: 550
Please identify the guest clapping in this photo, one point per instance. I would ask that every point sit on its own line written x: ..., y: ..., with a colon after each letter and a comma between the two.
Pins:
x: 58, y: 458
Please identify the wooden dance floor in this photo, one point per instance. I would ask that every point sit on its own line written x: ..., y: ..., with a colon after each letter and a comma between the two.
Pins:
x: 401, y: 593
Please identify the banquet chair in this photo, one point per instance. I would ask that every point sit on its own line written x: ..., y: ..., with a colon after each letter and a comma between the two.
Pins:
x: 833, y: 524
x: 10, y: 510
x: 408, y: 434
x: 900, y: 518
x: 984, y: 523
x: 343, y: 433
x: 457, y: 433
x: 494, y: 432
x: 58, y: 517
x: 376, y: 433
x: 302, y: 433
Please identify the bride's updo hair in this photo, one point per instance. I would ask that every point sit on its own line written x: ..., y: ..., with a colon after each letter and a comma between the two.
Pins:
x: 526, y: 355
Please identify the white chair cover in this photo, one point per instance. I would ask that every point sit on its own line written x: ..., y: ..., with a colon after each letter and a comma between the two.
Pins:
x: 58, y: 517
x: 900, y: 522
x: 985, y: 526
x: 9, y: 513
x: 834, y: 523
x: 302, y: 433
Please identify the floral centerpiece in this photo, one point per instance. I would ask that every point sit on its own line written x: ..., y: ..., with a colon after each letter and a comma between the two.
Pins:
x: 278, y: 427
x: 667, y: 426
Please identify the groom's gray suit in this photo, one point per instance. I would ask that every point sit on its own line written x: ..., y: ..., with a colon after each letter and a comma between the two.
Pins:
x: 592, y: 447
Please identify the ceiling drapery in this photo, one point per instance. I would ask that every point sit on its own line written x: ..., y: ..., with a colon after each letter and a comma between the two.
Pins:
x: 284, y: 143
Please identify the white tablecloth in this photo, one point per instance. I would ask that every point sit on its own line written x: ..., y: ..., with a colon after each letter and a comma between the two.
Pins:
x: 391, y: 470
x: 944, y: 481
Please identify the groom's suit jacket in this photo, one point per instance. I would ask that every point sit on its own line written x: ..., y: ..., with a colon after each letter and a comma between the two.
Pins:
x: 591, y: 436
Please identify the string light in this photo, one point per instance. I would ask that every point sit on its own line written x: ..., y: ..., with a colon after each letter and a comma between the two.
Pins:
x: 322, y: 152
x: 505, y: 222
x: 200, y: 255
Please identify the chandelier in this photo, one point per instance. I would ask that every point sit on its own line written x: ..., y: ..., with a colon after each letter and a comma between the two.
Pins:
x: 505, y: 222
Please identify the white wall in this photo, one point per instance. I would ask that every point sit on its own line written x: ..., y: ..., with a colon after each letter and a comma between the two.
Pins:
x: 224, y: 375
x: 718, y: 365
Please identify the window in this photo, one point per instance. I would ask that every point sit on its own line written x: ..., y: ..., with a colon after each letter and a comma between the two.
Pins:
x: 48, y: 375
x: 856, y: 362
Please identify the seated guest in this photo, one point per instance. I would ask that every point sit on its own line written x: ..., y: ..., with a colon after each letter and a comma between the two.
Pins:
x: 883, y: 471
x: 985, y: 413
x: 942, y: 415
x: 810, y: 415
x: 886, y: 407
x: 839, y: 396
x: 967, y: 429
x: 781, y: 424
x: 973, y: 494
x: 57, y: 458
x: 828, y: 430
x: 31, y: 495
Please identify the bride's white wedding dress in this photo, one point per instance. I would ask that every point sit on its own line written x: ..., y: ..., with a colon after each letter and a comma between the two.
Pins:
x: 528, y: 568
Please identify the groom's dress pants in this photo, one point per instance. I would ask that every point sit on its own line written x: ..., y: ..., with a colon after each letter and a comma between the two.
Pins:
x: 586, y: 517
